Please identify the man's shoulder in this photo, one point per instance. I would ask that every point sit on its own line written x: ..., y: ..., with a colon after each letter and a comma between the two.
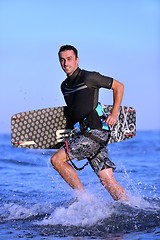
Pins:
x: 89, y: 73
x: 63, y: 83
x: 96, y: 79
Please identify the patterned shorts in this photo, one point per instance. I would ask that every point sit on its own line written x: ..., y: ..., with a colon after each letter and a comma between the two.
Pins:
x: 81, y: 147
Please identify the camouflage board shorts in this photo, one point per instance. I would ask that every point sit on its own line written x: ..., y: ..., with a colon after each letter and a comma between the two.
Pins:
x: 81, y: 147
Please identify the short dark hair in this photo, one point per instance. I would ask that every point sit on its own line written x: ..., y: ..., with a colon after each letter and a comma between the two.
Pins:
x: 68, y: 47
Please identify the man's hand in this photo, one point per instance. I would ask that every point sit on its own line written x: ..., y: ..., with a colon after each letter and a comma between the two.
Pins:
x: 111, y: 120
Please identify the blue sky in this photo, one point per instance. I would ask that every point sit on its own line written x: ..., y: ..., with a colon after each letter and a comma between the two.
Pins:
x: 118, y: 38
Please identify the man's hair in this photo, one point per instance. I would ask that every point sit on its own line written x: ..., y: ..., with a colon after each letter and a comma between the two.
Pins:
x: 68, y: 47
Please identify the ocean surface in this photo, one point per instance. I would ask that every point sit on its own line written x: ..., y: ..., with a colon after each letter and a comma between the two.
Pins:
x: 35, y: 203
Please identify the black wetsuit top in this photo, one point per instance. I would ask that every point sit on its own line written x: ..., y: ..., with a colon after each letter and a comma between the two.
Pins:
x: 81, y: 92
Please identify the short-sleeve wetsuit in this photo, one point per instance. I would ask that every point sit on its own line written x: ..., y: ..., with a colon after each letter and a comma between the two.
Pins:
x: 81, y: 92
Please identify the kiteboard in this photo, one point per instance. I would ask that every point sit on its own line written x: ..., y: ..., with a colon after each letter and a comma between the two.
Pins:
x: 49, y: 127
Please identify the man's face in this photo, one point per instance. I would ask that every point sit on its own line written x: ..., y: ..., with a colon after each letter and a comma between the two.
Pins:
x: 68, y: 61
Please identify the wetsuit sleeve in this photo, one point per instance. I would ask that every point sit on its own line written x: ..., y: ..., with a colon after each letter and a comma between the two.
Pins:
x: 96, y: 80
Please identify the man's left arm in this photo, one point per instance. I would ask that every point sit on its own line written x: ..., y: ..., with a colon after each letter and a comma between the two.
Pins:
x: 118, y: 90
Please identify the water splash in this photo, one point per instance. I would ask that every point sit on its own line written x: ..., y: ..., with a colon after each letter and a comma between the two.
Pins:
x: 84, y: 210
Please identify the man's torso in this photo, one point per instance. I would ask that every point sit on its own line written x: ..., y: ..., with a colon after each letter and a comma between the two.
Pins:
x: 81, y: 92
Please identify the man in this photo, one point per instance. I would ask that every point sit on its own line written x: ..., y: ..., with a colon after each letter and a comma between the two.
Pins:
x: 81, y: 90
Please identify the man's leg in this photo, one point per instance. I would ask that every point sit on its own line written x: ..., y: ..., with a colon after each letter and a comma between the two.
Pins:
x: 114, y: 188
x: 60, y: 163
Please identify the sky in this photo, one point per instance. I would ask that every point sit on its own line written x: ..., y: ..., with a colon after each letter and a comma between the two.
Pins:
x: 118, y: 38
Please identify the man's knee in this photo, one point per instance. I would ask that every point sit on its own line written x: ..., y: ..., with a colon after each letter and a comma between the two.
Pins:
x: 58, y: 158
x: 53, y: 159
x: 106, y: 176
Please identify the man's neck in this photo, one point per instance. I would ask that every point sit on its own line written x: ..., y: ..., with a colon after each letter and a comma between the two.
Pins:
x: 70, y: 75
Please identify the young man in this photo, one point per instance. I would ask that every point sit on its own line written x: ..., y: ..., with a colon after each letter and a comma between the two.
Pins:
x: 80, y: 90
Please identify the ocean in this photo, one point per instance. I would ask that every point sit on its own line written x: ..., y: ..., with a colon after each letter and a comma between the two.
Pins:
x: 35, y: 203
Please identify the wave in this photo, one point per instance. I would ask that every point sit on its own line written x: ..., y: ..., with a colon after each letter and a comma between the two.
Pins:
x: 17, y: 211
x: 86, y: 216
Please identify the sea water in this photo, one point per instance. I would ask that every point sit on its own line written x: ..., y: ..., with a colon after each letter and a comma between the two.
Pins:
x: 36, y: 203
